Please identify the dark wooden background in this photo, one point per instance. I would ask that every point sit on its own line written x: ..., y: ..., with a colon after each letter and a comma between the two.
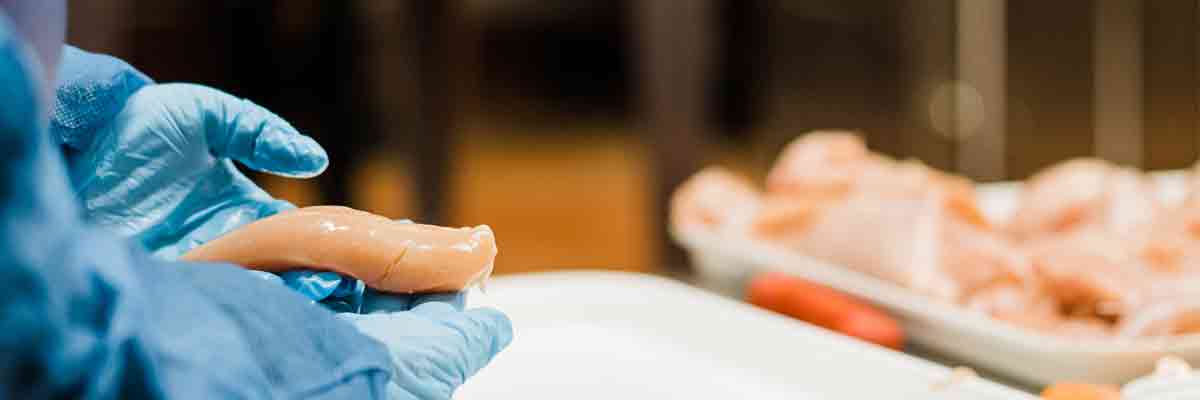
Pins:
x: 605, y: 106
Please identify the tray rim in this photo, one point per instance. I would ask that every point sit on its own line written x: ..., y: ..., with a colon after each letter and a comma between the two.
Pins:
x: 535, y: 283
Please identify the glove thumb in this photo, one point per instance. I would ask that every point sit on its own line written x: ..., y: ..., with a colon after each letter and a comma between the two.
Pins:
x: 241, y: 130
x: 485, y: 331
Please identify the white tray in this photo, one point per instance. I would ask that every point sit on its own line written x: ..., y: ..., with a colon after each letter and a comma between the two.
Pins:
x: 610, y: 335
x: 1023, y: 355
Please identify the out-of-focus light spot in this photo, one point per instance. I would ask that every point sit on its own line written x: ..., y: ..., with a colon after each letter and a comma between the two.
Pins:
x: 956, y: 110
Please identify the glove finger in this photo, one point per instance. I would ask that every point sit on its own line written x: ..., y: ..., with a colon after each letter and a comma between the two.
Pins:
x: 485, y: 328
x: 259, y: 139
x: 350, y: 287
x: 348, y: 296
x: 485, y: 332
x: 315, y: 285
x: 375, y: 302
x: 456, y: 300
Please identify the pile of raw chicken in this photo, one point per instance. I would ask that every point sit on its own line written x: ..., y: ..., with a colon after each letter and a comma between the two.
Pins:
x: 1090, y: 251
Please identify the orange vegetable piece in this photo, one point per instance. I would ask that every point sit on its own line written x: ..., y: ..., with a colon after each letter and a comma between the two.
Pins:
x: 824, y: 307
x: 1081, y: 391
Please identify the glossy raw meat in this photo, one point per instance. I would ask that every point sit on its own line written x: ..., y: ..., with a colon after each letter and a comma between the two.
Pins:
x: 1172, y: 242
x: 896, y: 239
x: 714, y: 198
x: 781, y: 215
x: 1170, y: 250
x: 1089, y: 253
x: 387, y: 255
x: 902, y: 221
x: 1170, y: 305
x: 1024, y: 305
x: 976, y: 257
x: 832, y: 164
x: 823, y: 161
x: 1090, y: 273
x: 1083, y: 194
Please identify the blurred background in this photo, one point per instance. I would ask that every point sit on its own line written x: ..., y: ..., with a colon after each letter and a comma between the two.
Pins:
x: 565, y: 124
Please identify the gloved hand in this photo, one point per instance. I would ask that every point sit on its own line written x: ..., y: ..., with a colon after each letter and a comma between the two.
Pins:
x: 434, y: 345
x: 338, y: 293
x: 152, y: 162
x: 420, y: 331
x: 85, y: 315
x: 162, y: 172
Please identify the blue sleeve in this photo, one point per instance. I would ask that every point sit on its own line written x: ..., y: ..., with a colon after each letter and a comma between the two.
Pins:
x: 86, y: 315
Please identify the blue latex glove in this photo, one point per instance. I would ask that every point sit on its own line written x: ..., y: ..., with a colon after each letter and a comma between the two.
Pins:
x: 202, y: 196
x: 435, y: 345
x: 161, y: 170
x: 336, y: 292
x: 84, y: 315
x: 153, y: 162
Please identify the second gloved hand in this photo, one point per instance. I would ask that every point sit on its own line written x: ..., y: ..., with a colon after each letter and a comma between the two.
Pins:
x: 434, y: 344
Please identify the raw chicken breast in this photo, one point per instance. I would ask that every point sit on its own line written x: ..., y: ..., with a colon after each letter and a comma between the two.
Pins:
x: 1024, y: 305
x: 1172, y: 243
x: 778, y: 214
x: 1161, y: 318
x: 1090, y: 273
x: 976, y: 258
x: 1090, y: 251
x: 912, y: 177
x: 714, y: 198
x: 822, y: 161
x: 1083, y: 194
x: 896, y: 239
x: 1170, y: 306
x: 388, y: 255
x: 900, y: 221
x: 829, y: 164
